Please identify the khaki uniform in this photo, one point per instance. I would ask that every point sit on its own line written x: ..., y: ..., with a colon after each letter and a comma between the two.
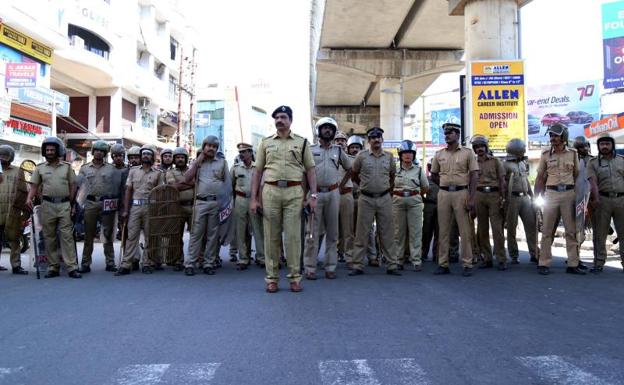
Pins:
x: 54, y: 181
x: 407, y: 206
x: 101, y: 187
x: 561, y: 170
x: 282, y: 161
x: 142, y: 183
x: 371, y: 250
x: 345, y: 216
x: 454, y: 168
x: 375, y: 203
x: 488, y: 205
x: 519, y: 205
x: 244, y: 218
x: 12, y: 182
x: 326, y: 217
x: 431, y: 230
x: 211, y: 176
x: 609, y: 176
x: 173, y: 176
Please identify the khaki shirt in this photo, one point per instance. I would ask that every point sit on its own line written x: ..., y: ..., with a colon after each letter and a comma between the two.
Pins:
x: 212, y: 173
x: 489, y: 170
x: 375, y: 171
x: 454, y: 167
x: 413, y: 179
x: 560, y: 168
x: 176, y: 175
x: 517, y: 176
x: 328, y: 162
x: 609, y: 174
x: 284, y: 159
x: 54, y: 179
x: 99, y: 181
x: 12, y: 181
x: 349, y: 183
x: 142, y: 182
x: 241, y: 177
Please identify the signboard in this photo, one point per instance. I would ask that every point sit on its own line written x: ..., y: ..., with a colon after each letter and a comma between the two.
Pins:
x: 497, y: 101
x: 613, y: 44
x: 22, y: 131
x: 20, y: 75
x: 5, y: 106
x: 25, y: 44
x: 438, y: 118
x: 608, y: 124
x: 43, y: 98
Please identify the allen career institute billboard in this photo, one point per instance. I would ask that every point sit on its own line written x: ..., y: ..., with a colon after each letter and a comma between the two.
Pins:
x: 497, y: 101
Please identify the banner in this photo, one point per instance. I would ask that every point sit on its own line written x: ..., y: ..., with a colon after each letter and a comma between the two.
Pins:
x: 20, y: 75
x: 25, y: 44
x: 573, y: 104
x: 438, y: 118
x: 22, y: 131
x: 42, y: 97
x: 608, y: 124
x: 497, y: 101
x: 613, y: 44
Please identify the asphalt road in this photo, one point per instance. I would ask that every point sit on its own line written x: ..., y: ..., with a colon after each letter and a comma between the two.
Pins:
x: 512, y: 327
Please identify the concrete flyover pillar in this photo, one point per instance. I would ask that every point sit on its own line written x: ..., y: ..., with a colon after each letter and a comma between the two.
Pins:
x: 491, y: 29
x: 391, y: 107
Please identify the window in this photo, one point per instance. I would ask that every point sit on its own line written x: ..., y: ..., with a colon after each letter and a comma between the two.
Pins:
x: 92, y: 42
x: 159, y: 69
x: 173, y: 48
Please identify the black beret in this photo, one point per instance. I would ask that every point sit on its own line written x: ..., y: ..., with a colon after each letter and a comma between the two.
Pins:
x: 374, y: 131
x: 285, y: 109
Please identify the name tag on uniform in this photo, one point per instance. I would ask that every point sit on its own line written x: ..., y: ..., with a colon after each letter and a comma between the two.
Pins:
x: 109, y: 205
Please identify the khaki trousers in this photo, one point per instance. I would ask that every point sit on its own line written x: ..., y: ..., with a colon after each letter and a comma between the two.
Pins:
x: 282, y: 209
x: 93, y: 213
x: 325, y: 222
x: 205, y: 227
x: 609, y: 208
x: 137, y: 221
x: 559, y: 204
x: 452, y: 205
x: 345, y: 238
x: 380, y: 210
x: 408, y: 225
x: 489, y: 212
x: 245, y: 219
x: 55, y: 215
x: 521, y: 207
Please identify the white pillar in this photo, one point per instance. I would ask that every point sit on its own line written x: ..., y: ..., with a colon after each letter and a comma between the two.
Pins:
x: 391, y: 107
x: 115, y: 112
x: 491, y: 29
x: 92, y: 110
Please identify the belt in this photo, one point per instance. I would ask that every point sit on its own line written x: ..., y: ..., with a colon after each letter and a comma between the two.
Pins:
x: 561, y: 187
x: 374, y: 195
x: 140, y: 202
x: 519, y: 194
x: 346, y: 190
x: 453, y: 187
x: 242, y: 194
x: 611, y: 194
x: 186, y: 203
x: 284, y: 183
x: 207, y: 198
x: 405, y: 193
x: 94, y: 198
x: 487, y: 189
x: 326, y: 189
x: 55, y: 199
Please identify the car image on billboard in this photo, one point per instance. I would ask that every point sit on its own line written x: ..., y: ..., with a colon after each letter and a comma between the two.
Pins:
x: 553, y: 117
x: 580, y: 117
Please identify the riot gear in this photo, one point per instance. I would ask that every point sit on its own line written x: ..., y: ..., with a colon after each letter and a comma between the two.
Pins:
x: 354, y: 139
x: 479, y: 140
x: 326, y: 121
x: 7, y: 151
x: 407, y: 146
x: 516, y: 147
x: 210, y: 139
x: 580, y: 142
x: 134, y: 151
x: 117, y: 148
x: 149, y: 147
x: 100, y: 145
x: 53, y: 140
x: 341, y: 135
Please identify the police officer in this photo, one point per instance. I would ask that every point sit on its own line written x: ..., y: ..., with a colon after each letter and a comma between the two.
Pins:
x: 102, y: 188
x: 556, y: 174
x: 175, y: 176
x: 431, y: 231
x: 166, y: 159
x: 328, y: 159
x: 141, y: 181
x: 489, y: 200
x: 345, y: 215
x: 607, y: 174
x: 519, y: 194
x: 12, y: 183
x: 410, y: 184
x: 208, y: 174
x: 455, y: 169
x: 118, y: 155
x: 58, y: 188
x: 284, y: 159
x: 374, y: 170
x: 583, y: 150
x: 134, y: 156
x: 242, y: 174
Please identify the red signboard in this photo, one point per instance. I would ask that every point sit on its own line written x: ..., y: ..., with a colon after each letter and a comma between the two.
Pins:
x: 608, y: 124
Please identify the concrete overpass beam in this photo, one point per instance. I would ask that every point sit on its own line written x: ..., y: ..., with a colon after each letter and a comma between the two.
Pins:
x: 351, y: 119
x: 391, y: 107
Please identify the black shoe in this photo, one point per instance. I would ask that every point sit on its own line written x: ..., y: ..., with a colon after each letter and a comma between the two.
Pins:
x: 356, y: 272
x: 18, y: 270
x: 373, y: 263
x: 209, y: 271
x: 582, y: 266
x: 575, y: 270
x: 514, y: 261
x: 135, y: 266
x: 543, y: 270
x: 189, y: 271
x: 502, y: 266
x: 51, y: 274
x: 74, y: 274
x: 486, y: 265
x: 147, y: 270
x: 596, y: 269
x: 85, y: 269
x: 400, y: 266
x: 233, y: 258
x: 112, y: 268
x: 159, y: 267
x: 394, y: 272
x: 177, y: 267
x: 441, y: 270
x: 122, y: 271
x: 467, y: 272
x: 2, y: 268
x: 533, y: 259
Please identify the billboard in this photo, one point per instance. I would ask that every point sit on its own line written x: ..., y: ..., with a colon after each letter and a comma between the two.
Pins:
x: 609, y: 125
x: 613, y: 44
x: 497, y: 101
x: 573, y: 104
x: 20, y: 75
x: 438, y: 118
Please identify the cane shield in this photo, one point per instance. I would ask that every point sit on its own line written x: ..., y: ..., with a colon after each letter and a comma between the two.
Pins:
x: 165, y: 216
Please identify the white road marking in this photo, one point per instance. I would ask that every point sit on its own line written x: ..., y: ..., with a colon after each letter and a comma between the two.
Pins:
x: 6, y: 372
x: 556, y: 370
x: 140, y: 374
x: 191, y: 374
x: 401, y: 371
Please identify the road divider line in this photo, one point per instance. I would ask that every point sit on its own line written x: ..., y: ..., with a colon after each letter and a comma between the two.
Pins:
x: 556, y: 370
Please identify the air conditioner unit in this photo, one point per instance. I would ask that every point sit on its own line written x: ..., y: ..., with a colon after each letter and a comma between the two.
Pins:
x: 76, y: 41
x: 144, y: 102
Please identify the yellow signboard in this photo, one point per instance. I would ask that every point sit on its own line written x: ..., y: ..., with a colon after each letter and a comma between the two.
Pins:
x: 25, y: 44
x: 497, y: 97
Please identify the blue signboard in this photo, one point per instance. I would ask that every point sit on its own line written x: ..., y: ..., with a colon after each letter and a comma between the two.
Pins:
x: 613, y: 44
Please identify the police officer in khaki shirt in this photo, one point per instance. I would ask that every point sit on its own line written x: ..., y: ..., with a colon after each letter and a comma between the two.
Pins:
x: 175, y: 177
x: 607, y: 175
x: 345, y: 215
x: 242, y: 174
x: 455, y: 170
x: 102, y: 189
x: 556, y: 173
x: 374, y: 170
x: 284, y: 159
x: 489, y: 200
x: 328, y: 159
x: 208, y: 174
x: 141, y: 181
x: 58, y: 188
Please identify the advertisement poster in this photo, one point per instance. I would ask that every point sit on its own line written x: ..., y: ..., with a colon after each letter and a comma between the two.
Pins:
x: 20, y: 75
x: 22, y: 131
x: 573, y: 104
x: 611, y: 124
x: 438, y: 118
x: 613, y: 44
x: 497, y: 101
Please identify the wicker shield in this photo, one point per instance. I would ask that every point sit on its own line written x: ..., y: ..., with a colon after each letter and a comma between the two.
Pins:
x: 17, y: 210
x: 165, y: 237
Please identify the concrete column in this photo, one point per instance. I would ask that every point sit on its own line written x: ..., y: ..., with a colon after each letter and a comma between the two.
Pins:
x: 92, y: 108
x: 391, y: 107
x: 115, y: 112
x: 491, y: 29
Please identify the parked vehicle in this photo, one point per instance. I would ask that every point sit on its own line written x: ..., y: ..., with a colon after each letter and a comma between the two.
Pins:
x: 552, y: 118
x: 534, y: 124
